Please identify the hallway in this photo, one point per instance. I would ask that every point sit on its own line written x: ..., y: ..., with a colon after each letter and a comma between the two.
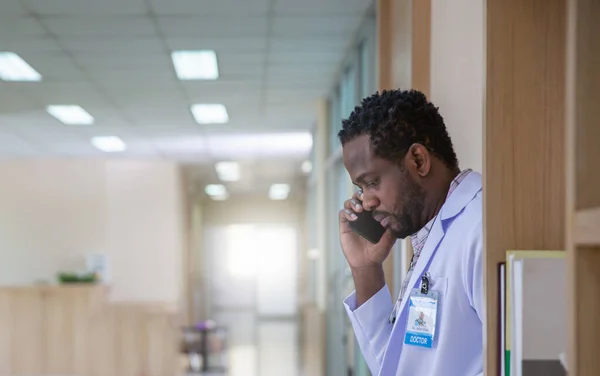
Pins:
x: 260, y: 347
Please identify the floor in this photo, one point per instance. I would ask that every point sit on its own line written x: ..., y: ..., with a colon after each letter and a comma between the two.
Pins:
x: 260, y: 347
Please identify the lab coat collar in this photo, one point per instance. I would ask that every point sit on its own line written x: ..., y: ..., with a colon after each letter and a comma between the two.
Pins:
x: 458, y: 200
x: 462, y: 195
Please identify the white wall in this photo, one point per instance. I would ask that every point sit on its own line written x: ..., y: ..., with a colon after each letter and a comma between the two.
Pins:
x: 457, y: 74
x: 54, y: 212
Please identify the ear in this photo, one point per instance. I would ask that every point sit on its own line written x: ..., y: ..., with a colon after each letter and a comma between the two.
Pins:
x: 420, y: 158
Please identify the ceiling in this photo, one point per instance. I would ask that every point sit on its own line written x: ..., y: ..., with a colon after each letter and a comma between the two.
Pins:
x: 112, y: 57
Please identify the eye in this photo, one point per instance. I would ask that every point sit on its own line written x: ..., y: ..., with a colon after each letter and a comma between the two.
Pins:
x: 372, y: 183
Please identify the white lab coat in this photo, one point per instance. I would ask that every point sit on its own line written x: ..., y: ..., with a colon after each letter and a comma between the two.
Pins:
x: 453, y: 256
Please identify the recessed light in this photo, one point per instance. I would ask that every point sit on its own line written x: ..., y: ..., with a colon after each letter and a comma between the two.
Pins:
x: 14, y: 68
x: 210, y: 113
x: 195, y: 65
x: 228, y: 171
x: 70, y: 114
x: 217, y: 192
x: 109, y: 144
x: 313, y: 254
x: 279, y: 191
x: 306, y: 167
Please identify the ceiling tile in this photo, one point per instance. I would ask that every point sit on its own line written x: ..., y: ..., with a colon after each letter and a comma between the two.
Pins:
x: 309, y: 44
x: 52, y: 132
x: 81, y: 92
x: 240, y: 44
x: 168, y: 131
x: 132, y: 76
x: 20, y: 27
x: 210, y: 27
x: 56, y: 66
x: 320, y: 7
x: 87, y: 7
x: 11, y: 8
x: 168, y: 116
x: 292, y: 58
x: 31, y: 44
x: 14, y: 100
x: 100, y: 26
x: 210, y: 7
x: 224, y: 89
x: 14, y: 145
x: 183, y: 144
x: 123, y: 61
x: 318, y: 26
x: 95, y: 45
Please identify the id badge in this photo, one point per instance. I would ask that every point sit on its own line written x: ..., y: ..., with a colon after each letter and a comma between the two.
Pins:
x: 422, y: 316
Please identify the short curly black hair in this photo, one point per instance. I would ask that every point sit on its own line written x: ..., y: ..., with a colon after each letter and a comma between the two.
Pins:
x: 396, y: 119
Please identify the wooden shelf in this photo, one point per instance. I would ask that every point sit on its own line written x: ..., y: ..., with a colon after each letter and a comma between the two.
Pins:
x: 586, y: 229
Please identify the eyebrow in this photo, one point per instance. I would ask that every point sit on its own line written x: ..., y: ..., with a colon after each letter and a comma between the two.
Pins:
x: 360, y: 179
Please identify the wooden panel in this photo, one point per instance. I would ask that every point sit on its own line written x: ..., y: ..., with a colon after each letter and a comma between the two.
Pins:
x: 586, y: 230
x: 385, y: 32
x: 421, y: 46
x: 66, y: 315
x: 587, y: 111
x: 583, y: 199
x: 5, y: 333
x: 63, y: 330
x: 586, y: 360
x: 26, y: 346
x: 313, y: 341
x: 103, y: 359
x: 524, y: 173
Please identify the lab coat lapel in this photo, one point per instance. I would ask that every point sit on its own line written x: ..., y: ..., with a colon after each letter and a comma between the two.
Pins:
x: 462, y: 195
x: 435, y: 236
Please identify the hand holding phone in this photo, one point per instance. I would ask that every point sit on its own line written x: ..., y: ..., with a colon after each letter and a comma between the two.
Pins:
x: 364, y: 241
x: 367, y: 227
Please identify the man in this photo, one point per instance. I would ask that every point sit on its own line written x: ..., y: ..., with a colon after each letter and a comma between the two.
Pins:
x: 398, y: 152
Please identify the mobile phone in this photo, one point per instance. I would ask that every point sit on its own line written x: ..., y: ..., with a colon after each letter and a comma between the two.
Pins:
x: 367, y: 227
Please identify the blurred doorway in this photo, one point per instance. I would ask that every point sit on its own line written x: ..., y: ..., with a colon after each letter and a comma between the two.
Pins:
x: 252, y: 276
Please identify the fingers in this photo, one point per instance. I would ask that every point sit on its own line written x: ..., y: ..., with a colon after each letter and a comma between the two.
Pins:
x: 354, y: 204
x: 351, y: 208
x: 347, y: 215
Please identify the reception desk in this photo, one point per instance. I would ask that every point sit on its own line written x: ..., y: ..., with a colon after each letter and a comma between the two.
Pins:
x: 73, y: 330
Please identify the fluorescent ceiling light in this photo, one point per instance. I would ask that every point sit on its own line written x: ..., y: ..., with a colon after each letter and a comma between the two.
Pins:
x: 279, y: 191
x: 14, y: 68
x: 210, y: 113
x: 265, y: 145
x: 195, y: 65
x: 306, y: 167
x: 70, y: 114
x: 228, y: 171
x: 109, y: 144
x: 217, y: 192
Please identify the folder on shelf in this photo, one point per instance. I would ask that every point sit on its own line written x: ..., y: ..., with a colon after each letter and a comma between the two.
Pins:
x: 535, y: 313
x: 503, y: 353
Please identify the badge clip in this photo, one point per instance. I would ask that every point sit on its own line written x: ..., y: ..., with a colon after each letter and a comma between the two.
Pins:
x: 425, y: 283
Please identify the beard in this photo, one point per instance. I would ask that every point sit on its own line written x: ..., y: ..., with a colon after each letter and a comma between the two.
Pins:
x: 409, y: 221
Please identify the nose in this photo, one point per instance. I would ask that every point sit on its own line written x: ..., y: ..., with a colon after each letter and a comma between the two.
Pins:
x: 370, y: 201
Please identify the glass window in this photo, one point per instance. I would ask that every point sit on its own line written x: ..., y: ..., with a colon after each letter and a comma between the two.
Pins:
x: 364, y: 69
x: 335, y: 121
x: 348, y: 92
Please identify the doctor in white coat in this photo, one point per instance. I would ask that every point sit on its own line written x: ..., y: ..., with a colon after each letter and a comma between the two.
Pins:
x: 398, y: 152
